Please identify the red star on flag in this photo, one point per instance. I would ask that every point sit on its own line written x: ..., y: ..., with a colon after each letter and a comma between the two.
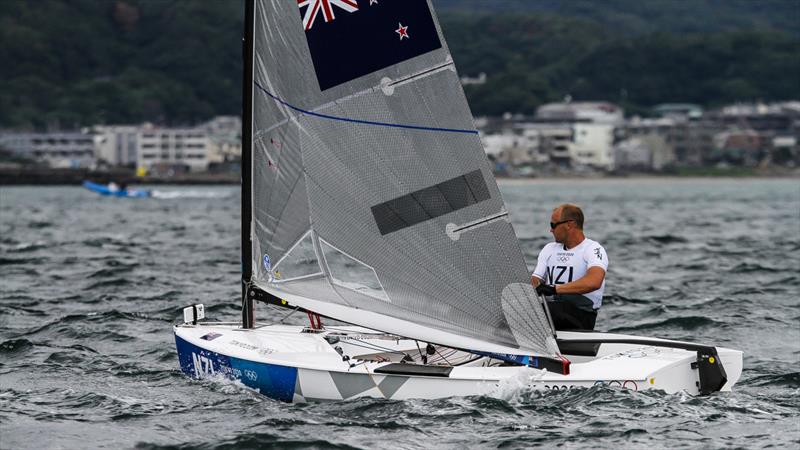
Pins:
x: 402, y: 31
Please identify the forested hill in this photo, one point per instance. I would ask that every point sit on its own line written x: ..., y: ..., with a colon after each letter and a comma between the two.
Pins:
x: 71, y: 63
x: 636, y: 17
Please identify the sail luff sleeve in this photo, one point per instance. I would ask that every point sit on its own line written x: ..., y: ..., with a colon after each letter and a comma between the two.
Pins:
x: 247, y: 140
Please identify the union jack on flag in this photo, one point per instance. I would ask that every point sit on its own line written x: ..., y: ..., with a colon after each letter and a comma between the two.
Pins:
x: 315, y: 6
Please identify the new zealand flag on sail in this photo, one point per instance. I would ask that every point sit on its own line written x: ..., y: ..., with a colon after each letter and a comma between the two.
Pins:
x: 352, y: 38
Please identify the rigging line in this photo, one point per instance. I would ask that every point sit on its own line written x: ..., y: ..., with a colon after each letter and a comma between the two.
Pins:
x: 450, y: 353
x: 375, y: 334
x: 286, y: 316
x: 421, y: 357
x: 442, y: 356
x: 363, y: 122
x: 372, y: 347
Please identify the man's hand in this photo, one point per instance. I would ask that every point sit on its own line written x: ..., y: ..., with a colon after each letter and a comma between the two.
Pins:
x: 546, y: 290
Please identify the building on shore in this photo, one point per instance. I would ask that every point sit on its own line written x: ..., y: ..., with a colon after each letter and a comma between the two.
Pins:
x: 572, y: 137
x: 575, y: 112
x: 646, y: 152
x: 690, y: 138
x: 679, y: 111
x: 168, y: 151
x: 564, y: 136
x: 224, y: 139
x: 747, y: 135
x: 593, y: 145
x: 117, y: 145
x: 592, y: 125
x: 73, y: 149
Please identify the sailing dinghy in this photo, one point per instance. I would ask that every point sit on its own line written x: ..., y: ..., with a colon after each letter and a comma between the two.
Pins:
x: 367, y: 198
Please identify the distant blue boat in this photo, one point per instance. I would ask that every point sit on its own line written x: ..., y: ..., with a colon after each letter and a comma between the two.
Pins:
x: 114, y: 191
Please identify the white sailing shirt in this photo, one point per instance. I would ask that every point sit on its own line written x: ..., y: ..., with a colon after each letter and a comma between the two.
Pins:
x: 557, y: 265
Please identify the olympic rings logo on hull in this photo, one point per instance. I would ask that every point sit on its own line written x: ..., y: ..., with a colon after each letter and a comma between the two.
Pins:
x: 627, y: 384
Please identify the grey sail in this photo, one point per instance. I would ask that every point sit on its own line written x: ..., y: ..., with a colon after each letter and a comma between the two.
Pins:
x: 372, y: 198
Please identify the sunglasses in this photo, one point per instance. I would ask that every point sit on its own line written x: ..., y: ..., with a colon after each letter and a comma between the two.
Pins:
x: 553, y: 225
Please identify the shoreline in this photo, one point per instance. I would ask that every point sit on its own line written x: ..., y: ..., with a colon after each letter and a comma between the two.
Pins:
x: 62, y: 177
x: 75, y: 177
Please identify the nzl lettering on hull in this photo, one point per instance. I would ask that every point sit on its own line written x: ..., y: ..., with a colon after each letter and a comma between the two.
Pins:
x: 351, y: 38
x: 271, y: 380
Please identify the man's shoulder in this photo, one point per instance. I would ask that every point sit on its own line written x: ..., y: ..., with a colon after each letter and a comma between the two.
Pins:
x: 595, y: 252
x: 592, y: 243
x: 547, y: 251
x: 551, y: 247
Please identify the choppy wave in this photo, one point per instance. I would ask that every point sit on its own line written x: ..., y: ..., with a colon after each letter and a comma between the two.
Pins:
x: 15, y: 347
x: 666, y: 239
x: 89, y: 292
x: 791, y: 380
x: 21, y: 261
x: 752, y: 268
x: 683, y: 323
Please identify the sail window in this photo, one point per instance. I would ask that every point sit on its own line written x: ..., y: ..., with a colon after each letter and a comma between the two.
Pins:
x: 430, y: 202
x: 351, y: 273
x: 299, y: 262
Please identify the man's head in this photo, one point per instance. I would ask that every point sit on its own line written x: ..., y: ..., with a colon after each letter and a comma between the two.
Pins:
x: 566, y: 222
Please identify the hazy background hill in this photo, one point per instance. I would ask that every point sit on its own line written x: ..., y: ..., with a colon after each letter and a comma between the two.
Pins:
x: 71, y: 63
x: 647, y: 16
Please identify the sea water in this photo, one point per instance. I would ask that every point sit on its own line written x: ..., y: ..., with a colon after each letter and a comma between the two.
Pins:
x: 91, y: 286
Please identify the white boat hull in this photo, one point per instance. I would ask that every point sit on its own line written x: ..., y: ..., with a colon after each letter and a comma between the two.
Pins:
x: 290, y: 364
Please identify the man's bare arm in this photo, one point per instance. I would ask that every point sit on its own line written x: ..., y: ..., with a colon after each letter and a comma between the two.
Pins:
x: 590, y: 282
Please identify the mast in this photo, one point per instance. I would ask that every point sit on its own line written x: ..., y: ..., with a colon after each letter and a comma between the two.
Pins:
x: 250, y: 292
x: 248, y: 303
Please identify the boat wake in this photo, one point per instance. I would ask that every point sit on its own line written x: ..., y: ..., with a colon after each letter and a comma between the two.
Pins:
x: 515, y: 388
x: 168, y: 195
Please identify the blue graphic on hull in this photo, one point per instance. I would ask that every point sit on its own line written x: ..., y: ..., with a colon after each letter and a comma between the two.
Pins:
x: 274, y: 381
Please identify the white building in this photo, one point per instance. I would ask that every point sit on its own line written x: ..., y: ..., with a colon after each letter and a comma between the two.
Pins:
x: 593, y: 145
x: 643, y: 152
x: 117, y: 145
x: 165, y: 147
x: 225, y: 139
x: 596, y: 112
x: 63, y: 149
x: 480, y: 79
x: 495, y: 144
x: 592, y: 130
x: 526, y: 144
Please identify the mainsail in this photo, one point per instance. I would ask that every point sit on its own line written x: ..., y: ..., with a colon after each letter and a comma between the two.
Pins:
x: 372, y: 199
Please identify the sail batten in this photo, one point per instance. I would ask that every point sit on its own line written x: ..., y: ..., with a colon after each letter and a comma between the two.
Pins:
x: 377, y: 180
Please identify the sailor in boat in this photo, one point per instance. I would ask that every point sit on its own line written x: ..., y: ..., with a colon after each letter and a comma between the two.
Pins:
x: 571, y: 272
